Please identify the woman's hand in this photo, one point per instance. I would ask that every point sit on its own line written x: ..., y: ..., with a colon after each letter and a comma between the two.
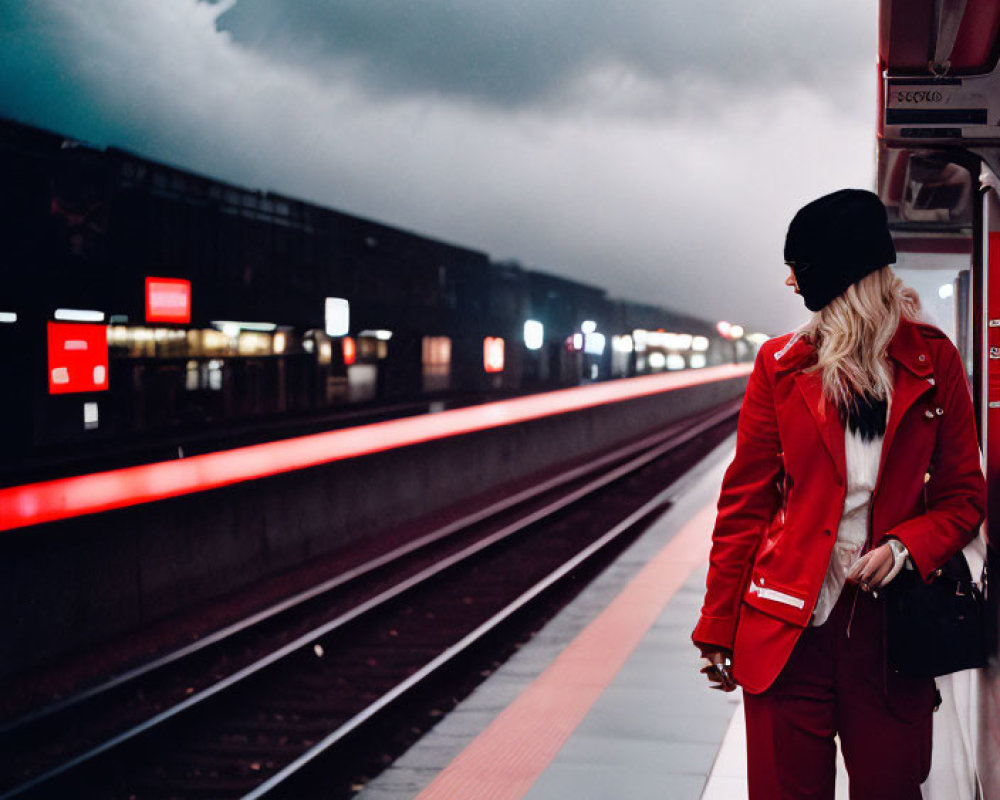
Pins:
x: 717, y: 666
x: 875, y: 568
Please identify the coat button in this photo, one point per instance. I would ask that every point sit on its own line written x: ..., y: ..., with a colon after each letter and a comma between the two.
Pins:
x: 921, y: 357
x: 939, y: 411
x: 929, y: 414
x: 826, y: 531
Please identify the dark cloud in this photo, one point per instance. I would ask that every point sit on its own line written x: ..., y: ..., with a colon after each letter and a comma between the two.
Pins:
x: 525, y: 52
x: 546, y: 157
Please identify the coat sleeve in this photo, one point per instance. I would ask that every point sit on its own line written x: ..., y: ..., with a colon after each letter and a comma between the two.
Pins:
x: 956, y: 489
x: 748, y: 501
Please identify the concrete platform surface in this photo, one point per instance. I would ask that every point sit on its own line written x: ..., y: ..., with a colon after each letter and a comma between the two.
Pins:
x: 606, y: 701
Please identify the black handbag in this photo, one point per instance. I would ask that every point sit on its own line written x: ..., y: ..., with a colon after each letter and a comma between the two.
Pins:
x: 939, y: 627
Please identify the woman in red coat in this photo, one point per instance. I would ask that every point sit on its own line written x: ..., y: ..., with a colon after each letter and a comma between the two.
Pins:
x: 856, y: 457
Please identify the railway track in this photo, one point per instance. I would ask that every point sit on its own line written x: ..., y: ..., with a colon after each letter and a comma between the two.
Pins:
x: 249, y: 710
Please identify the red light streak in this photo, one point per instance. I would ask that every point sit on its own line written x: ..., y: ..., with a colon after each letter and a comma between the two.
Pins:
x: 47, y: 501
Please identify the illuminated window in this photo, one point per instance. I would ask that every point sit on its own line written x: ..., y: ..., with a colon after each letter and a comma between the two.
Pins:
x: 436, y: 357
x: 493, y: 354
x: 593, y: 344
x: 621, y: 344
x: 253, y: 344
x: 90, y: 416
x: 437, y: 353
x: 338, y: 316
x: 534, y: 334
x: 215, y: 375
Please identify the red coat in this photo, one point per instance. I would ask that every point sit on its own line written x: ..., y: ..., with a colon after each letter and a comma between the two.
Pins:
x: 783, y: 494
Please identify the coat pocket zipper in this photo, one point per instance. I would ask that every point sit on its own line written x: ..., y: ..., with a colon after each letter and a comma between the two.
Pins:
x: 776, y: 596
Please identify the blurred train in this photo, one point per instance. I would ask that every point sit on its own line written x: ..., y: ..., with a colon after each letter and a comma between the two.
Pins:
x: 147, y: 310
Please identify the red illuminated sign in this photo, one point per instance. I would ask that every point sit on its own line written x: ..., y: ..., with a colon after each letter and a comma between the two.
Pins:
x: 493, y: 354
x: 350, y: 350
x: 168, y: 300
x: 78, y: 358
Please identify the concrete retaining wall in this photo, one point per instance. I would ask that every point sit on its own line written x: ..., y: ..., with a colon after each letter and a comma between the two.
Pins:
x: 73, y: 583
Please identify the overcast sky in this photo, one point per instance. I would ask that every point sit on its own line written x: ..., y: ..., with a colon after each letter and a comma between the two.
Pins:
x: 656, y: 148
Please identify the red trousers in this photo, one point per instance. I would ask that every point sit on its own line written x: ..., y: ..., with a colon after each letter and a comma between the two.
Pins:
x: 836, y: 682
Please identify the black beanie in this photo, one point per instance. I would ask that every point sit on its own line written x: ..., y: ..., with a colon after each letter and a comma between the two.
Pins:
x: 835, y: 241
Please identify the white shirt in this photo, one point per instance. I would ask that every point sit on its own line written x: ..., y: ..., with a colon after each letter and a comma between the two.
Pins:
x: 862, y: 459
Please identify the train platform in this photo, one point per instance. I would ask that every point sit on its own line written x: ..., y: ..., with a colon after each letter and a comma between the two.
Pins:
x: 606, y: 700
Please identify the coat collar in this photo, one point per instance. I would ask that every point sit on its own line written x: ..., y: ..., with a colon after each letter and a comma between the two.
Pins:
x: 908, y: 349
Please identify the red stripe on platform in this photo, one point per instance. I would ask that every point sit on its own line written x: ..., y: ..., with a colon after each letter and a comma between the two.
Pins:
x: 34, y: 503
x: 506, y: 759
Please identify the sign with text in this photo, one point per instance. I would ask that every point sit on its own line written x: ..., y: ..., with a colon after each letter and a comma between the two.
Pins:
x: 78, y: 358
x: 168, y: 300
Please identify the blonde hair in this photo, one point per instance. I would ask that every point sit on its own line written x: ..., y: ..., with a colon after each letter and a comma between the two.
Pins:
x: 852, y: 334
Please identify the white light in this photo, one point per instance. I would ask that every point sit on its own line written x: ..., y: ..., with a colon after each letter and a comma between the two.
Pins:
x: 578, y: 341
x: 699, y: 344
x: 593, y: 343
x: 100, y: 375
x: 338, y: 316
x: 676, y: 361
x: 279, y: 343
x: 308, y: 345
x: 657, y: 361
x: 534, y: 334
x: 90, y: 415
x: 697, y: 360
x: 79, y: 315
x: 380, y: 334
x: 60, y: 375
x: 8, y: 316
x: 621, y: 344
x: 227, y: 325
x: 588, y: 326
x: 736, y: 331
x: 723, y: 327
x: 946, y: 290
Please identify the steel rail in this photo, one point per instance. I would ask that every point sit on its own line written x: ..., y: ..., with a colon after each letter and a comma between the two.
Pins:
x: 666, y: 442
x: 342, y: 579
x: 523, y: 600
